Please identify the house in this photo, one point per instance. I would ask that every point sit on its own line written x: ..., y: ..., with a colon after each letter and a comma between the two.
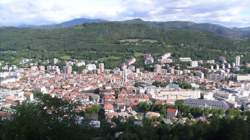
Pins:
x: 171, y: 113
x: 109, y: 108
x: 95, y: 124
x: 5, y: 115
x: 151, y: 115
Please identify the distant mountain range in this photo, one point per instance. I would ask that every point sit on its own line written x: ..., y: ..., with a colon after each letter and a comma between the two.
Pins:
x: 235, y: 33
x: 99, y: 39
x: 78, y: 21
x: 66, y: 24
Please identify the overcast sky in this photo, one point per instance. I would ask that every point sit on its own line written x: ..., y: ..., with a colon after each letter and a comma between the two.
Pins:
x: 38, y: 12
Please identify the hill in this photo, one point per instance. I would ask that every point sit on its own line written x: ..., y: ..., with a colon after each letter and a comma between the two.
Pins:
x: 102, y: 41
x: 234, y: 33
x: 78, y: 21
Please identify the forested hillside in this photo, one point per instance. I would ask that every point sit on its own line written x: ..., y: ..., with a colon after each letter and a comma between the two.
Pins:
x: 105, y: 42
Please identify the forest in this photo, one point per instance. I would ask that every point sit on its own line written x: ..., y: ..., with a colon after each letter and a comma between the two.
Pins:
x: 105, y: 42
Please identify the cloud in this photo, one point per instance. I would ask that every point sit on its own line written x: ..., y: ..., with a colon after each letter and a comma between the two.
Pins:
x: 225, y: 12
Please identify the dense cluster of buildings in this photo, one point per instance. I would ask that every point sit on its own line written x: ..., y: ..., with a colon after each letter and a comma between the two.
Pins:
x: 214, y: 84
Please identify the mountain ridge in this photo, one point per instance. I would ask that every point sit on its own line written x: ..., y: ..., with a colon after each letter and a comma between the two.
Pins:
x: 234, y: 33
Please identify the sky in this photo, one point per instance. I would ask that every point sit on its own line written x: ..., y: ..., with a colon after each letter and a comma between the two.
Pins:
x: 230, y: 13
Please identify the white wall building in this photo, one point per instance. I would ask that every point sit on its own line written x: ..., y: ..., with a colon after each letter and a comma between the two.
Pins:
x: 185, y: 59
x: 237, y: 61
x: 170, y: 96
x: 194, y: 64
x: 242, y: 78
x: 91, y: 67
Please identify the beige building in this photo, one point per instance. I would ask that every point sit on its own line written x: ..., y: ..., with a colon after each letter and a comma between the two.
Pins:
x: 170, y: 96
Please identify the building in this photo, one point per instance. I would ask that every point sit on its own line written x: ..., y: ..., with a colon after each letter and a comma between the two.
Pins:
x: 243, y: 78
x: 237, y: 61
x: 101, y: 67
x: 125, y: 76
x: 169, y: 96
x: 42, y: 68
x: 212, y: 104
x: 108, y: 108
x: 200, y: 74
x: 171, y: 113
x: 9, y: 77
x: 210, y: 61
x: 68, y: 69
x: 148, y: 59
x: 194, y: 64
x: 152, y: 115
x: 157, y: 68
x: 215, y: 76
x: 91, y: 67
x: 165, y: 58
x: 185, y: 59
x: 222, y: 60
x: 131, y: 61
x: 217, y: 67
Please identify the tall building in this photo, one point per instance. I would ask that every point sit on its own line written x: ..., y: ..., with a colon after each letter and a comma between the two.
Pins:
x: 217, y: 67
x: 101, y: 67
x: 157, y: 68
x: 124, y: 76
x: 212, y: 67
x: 68, y: 69
x: 148, y: 59
x: 223, y: 66
x: 237, y: 61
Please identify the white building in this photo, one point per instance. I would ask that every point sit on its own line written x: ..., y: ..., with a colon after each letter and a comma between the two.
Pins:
x: 157, y: 68
x: 194, y: 64
x: 165, y: 58
x: 91, y: 67
x: 68, y: 69
x: 171, y: 95
x: 131, y: 61
x: 185, y: 59
x: 81, y: 63
x: 102, y: 67
x: 237, y: 61
x: 242, y: 78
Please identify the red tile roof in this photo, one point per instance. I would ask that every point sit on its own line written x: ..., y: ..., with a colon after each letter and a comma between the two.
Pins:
x: 171, y: 110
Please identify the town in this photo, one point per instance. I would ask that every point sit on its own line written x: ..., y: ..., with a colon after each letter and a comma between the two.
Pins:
x: 154, y: 91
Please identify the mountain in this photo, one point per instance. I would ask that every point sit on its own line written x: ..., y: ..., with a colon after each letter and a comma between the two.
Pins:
x: 114, y: 41
x: 66, y: 24
x: 235, y: 33
x: 79, y: 21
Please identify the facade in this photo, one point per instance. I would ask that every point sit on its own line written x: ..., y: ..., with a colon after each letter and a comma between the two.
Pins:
x: 148, y: 59
x: 157, y: 68
x: 237, y: 61
x: 91, y: 67
x: 212, y: 104
x: 194, y: 64
x: 170, y: 96
x: 242, y: 78
x: 101, y: 67
x: 68, y: 69
x: 185, y: 59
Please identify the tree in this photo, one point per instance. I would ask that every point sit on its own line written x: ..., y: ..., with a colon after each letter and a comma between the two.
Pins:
x: 93, y: 109
x: 144, y: 106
